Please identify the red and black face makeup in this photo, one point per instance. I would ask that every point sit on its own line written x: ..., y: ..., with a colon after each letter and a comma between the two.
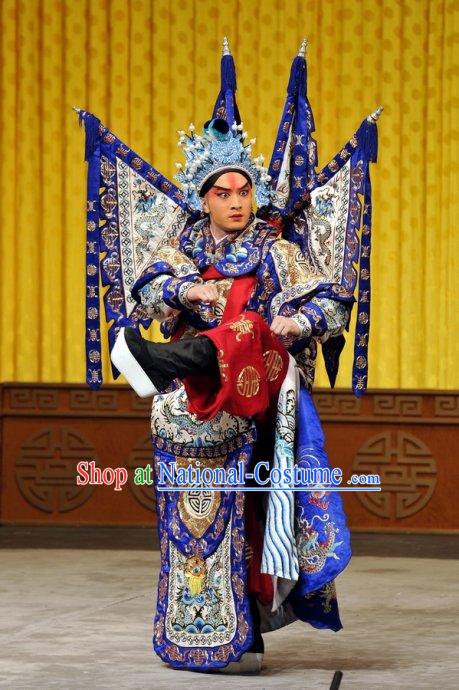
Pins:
x: 213, y: 179
x: 232, y: 184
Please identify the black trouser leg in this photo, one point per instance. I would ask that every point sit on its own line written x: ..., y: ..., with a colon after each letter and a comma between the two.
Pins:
x: 164, y: 362
x: 257, y: 642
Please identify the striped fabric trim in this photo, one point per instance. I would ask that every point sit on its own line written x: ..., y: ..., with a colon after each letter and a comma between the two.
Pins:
x: 280, y: 557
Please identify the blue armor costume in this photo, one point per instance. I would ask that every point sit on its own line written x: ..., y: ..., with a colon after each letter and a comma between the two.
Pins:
x: 301, y: 247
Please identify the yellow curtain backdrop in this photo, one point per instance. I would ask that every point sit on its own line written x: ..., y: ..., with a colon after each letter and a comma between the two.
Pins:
x: 147, y: 68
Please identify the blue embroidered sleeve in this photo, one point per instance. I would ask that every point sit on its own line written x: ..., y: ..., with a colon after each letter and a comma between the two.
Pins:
x: 151, y: 296
x: 170, y: 275
x: 320, y: 309
x: 174, y: 292
x: 322, y: 318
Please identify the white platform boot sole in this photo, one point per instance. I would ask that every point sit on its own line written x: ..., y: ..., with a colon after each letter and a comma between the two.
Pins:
x: 126, y: 363
x: 250, y: 662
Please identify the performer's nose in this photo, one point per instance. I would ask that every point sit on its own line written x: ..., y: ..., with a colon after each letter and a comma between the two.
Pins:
x: 235, y: 201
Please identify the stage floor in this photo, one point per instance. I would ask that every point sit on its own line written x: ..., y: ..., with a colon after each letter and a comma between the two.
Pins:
x: 76, y: 618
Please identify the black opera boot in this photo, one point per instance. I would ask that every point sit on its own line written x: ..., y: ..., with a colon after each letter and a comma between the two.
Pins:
x: 151, y: 367
x: 251, y: 661
x: 258, y: 646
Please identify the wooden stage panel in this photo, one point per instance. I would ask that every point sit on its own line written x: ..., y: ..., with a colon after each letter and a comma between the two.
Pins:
x: 409, y: 437
x: 48, y: 430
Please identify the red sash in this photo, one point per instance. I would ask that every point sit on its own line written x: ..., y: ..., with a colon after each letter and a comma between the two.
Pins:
x: 238, y: 296
x: 252, y: 361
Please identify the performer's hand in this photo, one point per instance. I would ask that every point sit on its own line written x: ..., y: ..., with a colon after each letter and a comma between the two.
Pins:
x: 284, y: 326
x: 207, y: 294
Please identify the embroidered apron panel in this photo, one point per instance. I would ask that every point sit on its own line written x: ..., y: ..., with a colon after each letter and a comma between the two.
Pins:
x: 201, y: 611
x: 203, y: 615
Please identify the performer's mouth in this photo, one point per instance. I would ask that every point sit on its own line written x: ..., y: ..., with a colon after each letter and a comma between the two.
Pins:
x: 236, y: 216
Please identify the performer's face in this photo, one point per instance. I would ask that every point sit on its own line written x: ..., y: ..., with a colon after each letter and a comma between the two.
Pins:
x: 229, y: 203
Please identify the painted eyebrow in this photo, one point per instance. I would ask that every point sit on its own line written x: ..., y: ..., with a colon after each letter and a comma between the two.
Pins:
x: 228, y: 189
